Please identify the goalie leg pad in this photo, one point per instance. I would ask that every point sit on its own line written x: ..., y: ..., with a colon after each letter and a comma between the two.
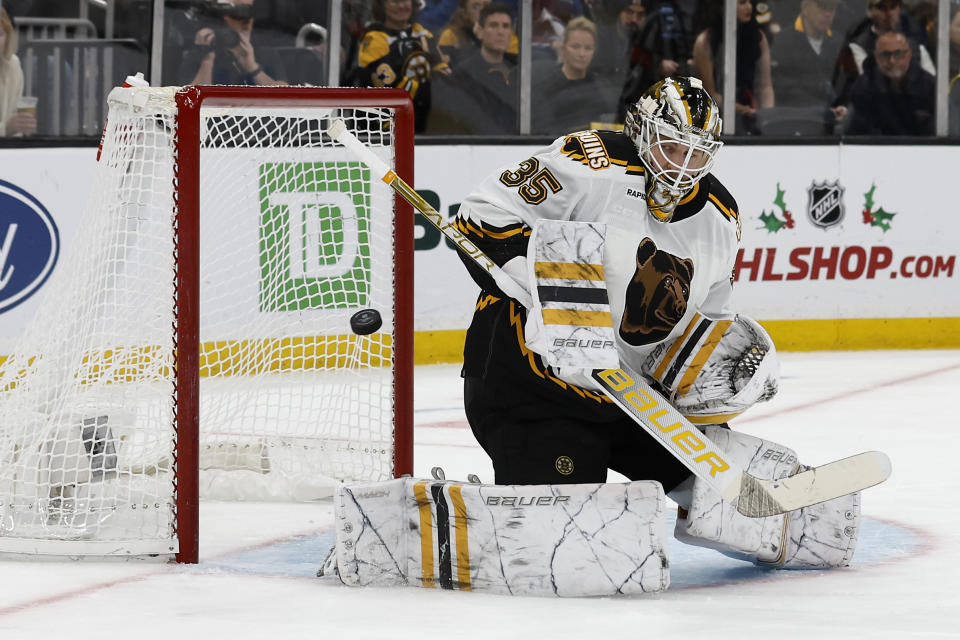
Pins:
x: 815, y: 537
x: 716, y: 369
x: 565, y: 540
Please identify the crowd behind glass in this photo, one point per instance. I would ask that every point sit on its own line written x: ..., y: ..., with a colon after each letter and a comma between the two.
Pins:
x: 801, y: 67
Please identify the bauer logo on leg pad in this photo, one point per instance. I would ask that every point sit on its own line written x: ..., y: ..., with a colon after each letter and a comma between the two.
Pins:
x: 775, y: 455
x: 526, y: 501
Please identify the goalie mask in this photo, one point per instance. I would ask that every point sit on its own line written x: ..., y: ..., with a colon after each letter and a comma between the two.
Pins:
x: 676, y: 128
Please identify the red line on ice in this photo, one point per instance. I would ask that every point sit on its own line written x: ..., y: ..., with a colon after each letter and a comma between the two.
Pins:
x: 92, y: 588
x: 848, y: 394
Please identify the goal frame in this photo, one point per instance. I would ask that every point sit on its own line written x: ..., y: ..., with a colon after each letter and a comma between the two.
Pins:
x: 186, y: 219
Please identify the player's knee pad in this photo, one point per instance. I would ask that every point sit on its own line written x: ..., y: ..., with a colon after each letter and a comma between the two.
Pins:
x: 819, y: 536
x: 566, y: 540
x: 716, y: 369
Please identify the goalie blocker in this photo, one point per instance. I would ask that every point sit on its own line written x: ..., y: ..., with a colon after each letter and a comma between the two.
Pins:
x: 565, y: 540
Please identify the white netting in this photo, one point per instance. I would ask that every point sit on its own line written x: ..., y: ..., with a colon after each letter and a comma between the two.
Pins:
x: 295, y: 238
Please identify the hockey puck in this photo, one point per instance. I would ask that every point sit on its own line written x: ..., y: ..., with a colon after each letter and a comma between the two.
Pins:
x: 365, y: 321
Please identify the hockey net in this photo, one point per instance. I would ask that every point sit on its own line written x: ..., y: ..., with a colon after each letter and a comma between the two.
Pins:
x: 156, y: 366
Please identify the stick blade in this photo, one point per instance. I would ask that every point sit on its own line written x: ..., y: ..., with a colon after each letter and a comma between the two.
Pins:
x: 761, y: 498
x: 336, y: 129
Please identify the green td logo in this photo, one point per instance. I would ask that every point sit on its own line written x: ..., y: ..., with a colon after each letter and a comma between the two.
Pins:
x: 314, y: 235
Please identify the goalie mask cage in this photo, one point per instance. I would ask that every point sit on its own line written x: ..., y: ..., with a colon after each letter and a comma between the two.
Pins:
x: 196, y: 339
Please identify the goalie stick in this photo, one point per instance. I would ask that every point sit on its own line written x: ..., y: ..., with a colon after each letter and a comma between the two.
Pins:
x: 754, y: 497
x: 338, y: 131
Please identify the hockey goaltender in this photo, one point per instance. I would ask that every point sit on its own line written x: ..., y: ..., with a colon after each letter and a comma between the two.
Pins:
x: 622, y: 236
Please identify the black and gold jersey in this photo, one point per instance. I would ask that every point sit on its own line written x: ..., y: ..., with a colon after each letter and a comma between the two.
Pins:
x: 402, y: 58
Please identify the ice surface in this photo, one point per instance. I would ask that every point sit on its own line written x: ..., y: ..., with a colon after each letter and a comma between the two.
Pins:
x: 258, y: 560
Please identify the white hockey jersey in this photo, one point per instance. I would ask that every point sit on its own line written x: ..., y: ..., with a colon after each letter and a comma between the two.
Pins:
x: 658, y: 274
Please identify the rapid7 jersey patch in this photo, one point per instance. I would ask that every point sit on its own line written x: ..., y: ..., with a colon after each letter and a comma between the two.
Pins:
x: 534, y: 183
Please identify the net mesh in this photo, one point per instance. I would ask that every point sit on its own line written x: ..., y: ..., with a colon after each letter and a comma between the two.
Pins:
x: 294, y: 239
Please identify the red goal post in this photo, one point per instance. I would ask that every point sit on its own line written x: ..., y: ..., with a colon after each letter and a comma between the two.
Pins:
x: 189, y: 103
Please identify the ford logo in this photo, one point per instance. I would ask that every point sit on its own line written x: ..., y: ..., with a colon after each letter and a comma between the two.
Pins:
x: 29, y: 245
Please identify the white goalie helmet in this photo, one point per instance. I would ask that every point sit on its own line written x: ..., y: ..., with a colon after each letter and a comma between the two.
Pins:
x: 676, y: 128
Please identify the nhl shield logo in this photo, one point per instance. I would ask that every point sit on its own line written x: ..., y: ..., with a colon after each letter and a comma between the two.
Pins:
x: 825, y: 203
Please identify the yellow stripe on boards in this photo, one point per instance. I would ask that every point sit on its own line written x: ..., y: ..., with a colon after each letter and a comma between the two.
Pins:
x: 426, y: 533
x: 569, y: 270
x: 305, y: 353
x: 709, y: 345
x: 446, y: 345
x: 577, y: 318
x: 300, y: 354
x: 460, y: 523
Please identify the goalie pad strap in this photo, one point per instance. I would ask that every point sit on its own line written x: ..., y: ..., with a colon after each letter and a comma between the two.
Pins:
x: 568, y: 540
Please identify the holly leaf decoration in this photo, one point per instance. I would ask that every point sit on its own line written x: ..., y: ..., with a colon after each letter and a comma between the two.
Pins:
x: 778, y: 201
x: 868, y: 198
x: 771, y: 222
x: 882, y: 219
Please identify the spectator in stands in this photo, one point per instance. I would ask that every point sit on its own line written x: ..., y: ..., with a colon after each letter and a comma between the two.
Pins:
x: 663, y: 48
x: 458, y: 40
x: 781, y: 16
x: 882, y: 16
x: 955, y: 40
x: 954, y: 107
x: 924, y: 15
x: 228, y: 56
x: 434, y: 14
x: 895, y: 96
x: 570, y: 96
x: 618, y: 22
x: 13, y: 121
x: 397, y: 52
x: 805, y: 57
x: 481, y: 95
x: 547, y: 32
x: 955, y: 72
x: 754, y: 87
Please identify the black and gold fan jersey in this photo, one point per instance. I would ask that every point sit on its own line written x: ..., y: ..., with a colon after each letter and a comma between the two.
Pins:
x: 402, y: 58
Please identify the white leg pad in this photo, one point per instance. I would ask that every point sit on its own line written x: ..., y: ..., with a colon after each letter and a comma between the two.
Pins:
x: 565, y: 540
x: 819, y: 536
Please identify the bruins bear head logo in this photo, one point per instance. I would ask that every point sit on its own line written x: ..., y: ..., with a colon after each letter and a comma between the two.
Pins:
x: 657, y: 295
